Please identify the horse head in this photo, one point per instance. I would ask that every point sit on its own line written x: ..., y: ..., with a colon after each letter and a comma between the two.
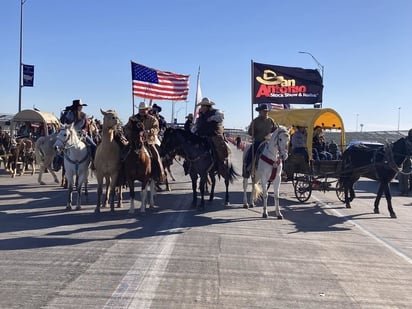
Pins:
x: 65, y: 137
x: 110, y: 119
x: 279, y: 142
x: 134, y: 131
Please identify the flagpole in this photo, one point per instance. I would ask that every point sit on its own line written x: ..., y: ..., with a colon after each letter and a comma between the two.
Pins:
x: 21, y: 50
x: 253, y: 127
x: 197, y: 89
x: 131, y: 65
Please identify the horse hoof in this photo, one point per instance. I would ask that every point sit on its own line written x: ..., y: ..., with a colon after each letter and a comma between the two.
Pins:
x: 348, y: 206
x: 42, y: 183
x: 68, y: 208
x: 97, y: 210
x: 246, y: 206
x: 56, y: 181
x: 376, y: 211
x: 78, y: 208
x: 280, y: 217
x: 251, y: 205
x: 264, y: 215
x: 393, y: 215
x: 227, y: 204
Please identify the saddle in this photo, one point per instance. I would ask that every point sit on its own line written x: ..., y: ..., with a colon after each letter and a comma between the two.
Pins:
x: 247, y: 166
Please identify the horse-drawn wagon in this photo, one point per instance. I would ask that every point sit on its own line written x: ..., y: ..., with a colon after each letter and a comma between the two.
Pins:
x: 308, y: 174
x: 46, y: 123
x: 26, y: 127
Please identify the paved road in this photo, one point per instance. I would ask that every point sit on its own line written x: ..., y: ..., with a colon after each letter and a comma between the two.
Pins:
x: 320, y: 256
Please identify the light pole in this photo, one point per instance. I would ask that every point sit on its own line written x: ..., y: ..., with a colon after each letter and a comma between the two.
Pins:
x: 357, y: 118
x: 399, y: 117
x: 320, y: 67
x: 21, y: 49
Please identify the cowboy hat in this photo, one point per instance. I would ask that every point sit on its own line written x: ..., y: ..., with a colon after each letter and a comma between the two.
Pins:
x: 262, y: 107
x: 206, y: 101
x: 156, y: 108
x: 78, y: 102
x: 189, y: 116
x: 143, y: 105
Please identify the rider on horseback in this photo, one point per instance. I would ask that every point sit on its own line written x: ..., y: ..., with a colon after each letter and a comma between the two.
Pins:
x: 259, y: 128
x: 210, y: 125
x: 151, y: 126
x: 80, y: 123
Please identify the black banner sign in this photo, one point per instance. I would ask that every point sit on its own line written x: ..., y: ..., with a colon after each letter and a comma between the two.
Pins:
x: 285, y: 85
x: 28, y: 75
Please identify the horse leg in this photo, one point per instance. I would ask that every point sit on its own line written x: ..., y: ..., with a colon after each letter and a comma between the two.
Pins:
x: 227, y: 203
x: 112, y: 194
x: 194, y: 190
x: 378, y: 198
x: 265, y: 198
x: 131, y: 195
x: 143, y: 196
x: 245, y: 183
x: 202, y: 184
x: 107, y: 192
x: 388, y: 197
x: 69, y: 197
x: 119, y: 196
x: 152, y: 193
x: 212, y: 186
x: 276, y: 188
x: 99, y: 194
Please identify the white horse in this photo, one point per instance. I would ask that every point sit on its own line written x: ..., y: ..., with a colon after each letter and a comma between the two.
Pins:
x: 45, y: 153
x: 269, y: 169
x: 76, y: 161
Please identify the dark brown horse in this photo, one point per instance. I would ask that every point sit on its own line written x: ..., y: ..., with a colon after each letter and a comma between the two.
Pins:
x: 137, y: 165
x: 381, y: 164
x: 201, y: 163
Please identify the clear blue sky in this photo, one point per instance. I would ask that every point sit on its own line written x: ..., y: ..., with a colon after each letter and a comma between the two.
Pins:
x: 82, y: 49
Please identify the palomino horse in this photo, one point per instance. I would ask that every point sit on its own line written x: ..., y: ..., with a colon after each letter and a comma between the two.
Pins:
x: 380, y: 164
x: 107, y: 161
x: 45, y: 153
x: 76, y: 161
x: 269, y: 169
x: 137, y: 165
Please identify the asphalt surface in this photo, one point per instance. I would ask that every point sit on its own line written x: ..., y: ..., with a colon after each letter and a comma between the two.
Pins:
x: 321, y: 255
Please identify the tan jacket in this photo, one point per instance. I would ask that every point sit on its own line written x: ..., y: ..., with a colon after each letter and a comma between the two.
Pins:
x: 151, y: 127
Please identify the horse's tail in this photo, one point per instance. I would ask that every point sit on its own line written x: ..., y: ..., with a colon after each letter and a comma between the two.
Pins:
x: 257, y: 191
x: 233, y: 174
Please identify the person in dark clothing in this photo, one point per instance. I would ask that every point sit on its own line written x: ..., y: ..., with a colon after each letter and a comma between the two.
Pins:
x: 189, y: 123
x: 210, y: 125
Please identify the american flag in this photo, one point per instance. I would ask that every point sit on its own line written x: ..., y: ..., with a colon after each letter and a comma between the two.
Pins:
x: 150, y: 83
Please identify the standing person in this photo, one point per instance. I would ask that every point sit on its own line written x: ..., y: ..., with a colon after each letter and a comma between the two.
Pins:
x: 210, y: 125
x: 259, y: 128
x: 151, y: 126
x: 189, y: 123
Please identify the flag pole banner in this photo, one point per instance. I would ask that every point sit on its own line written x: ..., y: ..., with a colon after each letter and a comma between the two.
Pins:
x: 285, y: 85
x: 198, y: 97
x: 28, y: 75
x: 149, y: 83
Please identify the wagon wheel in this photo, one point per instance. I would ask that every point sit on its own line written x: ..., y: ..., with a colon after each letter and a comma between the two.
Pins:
x: 340, y: 192
x: 303, y: 187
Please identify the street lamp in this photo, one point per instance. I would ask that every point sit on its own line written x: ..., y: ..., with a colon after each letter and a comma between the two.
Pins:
x: 399, y: 117
x: 320, y: 66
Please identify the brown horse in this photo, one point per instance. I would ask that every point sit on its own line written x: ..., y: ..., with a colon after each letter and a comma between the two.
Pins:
x: 22, y: 153
x: 137, y: 165
x: 107, y: 160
